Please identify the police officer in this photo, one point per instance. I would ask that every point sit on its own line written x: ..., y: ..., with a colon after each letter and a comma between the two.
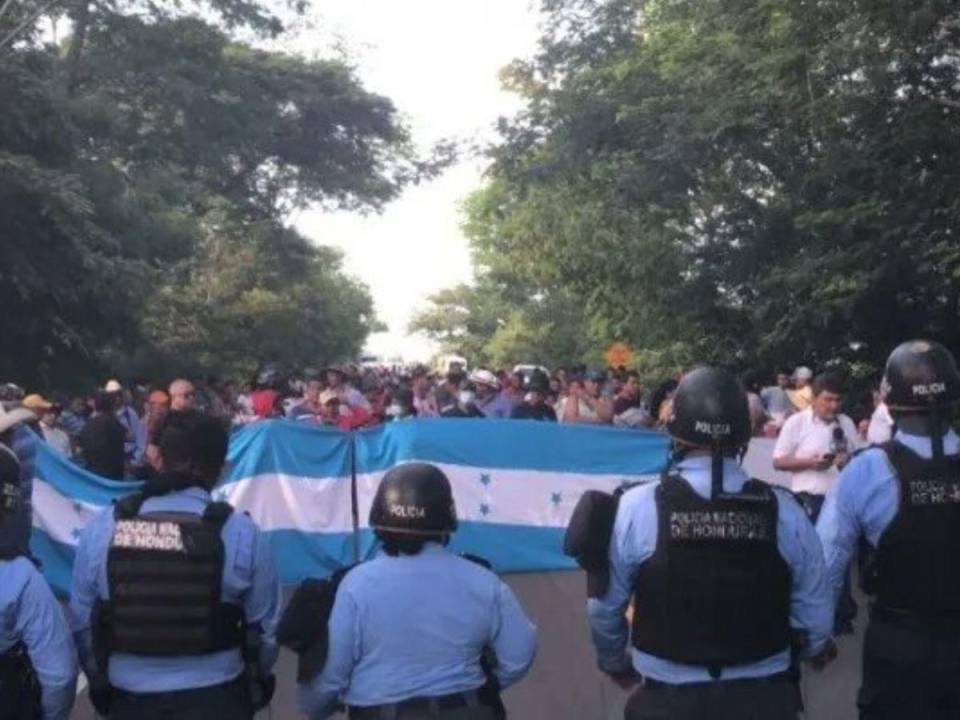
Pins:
x: 904, y: 498
x: 409, y: 628
x: 170, y: 590
x: 38, y: 668
x: 719, y: 567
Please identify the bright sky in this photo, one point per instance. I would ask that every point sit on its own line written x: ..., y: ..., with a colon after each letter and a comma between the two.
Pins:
x: 438, y: 60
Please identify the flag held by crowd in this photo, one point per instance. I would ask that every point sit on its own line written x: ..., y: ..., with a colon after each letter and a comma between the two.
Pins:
x: 309, y: 488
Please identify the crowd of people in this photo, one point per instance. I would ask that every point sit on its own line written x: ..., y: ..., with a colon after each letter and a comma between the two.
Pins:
x: 112, y: 431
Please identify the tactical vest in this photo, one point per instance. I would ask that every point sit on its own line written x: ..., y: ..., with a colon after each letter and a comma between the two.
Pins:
x: 916, y: 569
x: 716, y: 591
x: 165, y: 573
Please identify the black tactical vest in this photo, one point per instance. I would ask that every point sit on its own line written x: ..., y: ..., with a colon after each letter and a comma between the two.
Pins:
x: 916, y: 569
x: 165, y: 572
x: 716, y: 591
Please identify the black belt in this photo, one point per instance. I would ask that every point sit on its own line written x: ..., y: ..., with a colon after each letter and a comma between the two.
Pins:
x: 432, y: 705
x: 649, y: 683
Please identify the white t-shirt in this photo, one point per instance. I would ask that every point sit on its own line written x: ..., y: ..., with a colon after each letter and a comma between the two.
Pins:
x: 880, y: 429
x: 804, y: 435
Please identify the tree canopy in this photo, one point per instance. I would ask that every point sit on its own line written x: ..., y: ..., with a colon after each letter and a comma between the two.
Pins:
x: 740, y: 181
x: 148, y: 165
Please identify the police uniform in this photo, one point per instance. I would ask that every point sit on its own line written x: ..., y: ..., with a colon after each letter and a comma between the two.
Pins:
x: 903, y: 497
x: 167, y: 592
x: 722, y: 571
x: 408, y: 632
x: 38, y: 668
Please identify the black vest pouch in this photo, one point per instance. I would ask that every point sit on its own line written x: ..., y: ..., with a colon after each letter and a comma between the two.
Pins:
x: 587, y: 539
x: 716, y: 591
x: 916, y: 572
x: 19, y: 686
x: 303, y: 625
x: 165, y: 573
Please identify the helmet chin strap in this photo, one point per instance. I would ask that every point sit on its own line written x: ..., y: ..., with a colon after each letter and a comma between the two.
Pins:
x: 935, y: 428
x: 716, y: 470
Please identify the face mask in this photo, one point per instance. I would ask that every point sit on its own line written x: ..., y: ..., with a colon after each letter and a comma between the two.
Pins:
x: 467, y: 397
x: 394, y: 410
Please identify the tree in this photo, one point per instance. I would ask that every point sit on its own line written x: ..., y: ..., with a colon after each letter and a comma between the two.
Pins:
x: 148, y: 170
x: 752, y: 182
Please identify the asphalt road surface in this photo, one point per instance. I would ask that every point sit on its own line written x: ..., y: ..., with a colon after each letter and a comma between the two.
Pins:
x: 564, y: 684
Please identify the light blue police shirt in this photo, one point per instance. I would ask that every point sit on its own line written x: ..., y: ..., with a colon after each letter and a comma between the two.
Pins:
x: 415, y: 626
x: 29, y: 613
x: 634, y: 541
x: 864, y: 501
x: 249, y: 579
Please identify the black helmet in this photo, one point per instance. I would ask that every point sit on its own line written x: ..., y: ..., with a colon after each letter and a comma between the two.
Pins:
x: 538, y: 382
x: 921, y: 375
x: 415, y: 499
x: 710, y: 410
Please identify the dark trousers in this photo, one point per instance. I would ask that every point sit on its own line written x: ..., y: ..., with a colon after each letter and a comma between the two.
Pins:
x: 910, y: 672
x: 480, y: 712
x: 219, y: 702
x: 734, y: 700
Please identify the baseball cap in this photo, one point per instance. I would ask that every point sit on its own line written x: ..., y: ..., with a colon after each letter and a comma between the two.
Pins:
x: 36, y: 403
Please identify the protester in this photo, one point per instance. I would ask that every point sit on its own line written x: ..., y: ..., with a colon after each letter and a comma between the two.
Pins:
x: 182, y: 395
x: 101, y: 442
x: 534, y: 406
x: 135, y: 443
x: 802, y: 393
x: 158, y: 405
x: 337, y: 381
x: 309, y: 406
x: 776, y: 401
x: 584, y: 404
x: 490, y: 401
x: 49, y: 414
x: 423, y: 401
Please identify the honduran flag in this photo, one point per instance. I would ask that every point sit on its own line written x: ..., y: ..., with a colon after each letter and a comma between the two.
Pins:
x: 515, y: 483
x: 310, y: 488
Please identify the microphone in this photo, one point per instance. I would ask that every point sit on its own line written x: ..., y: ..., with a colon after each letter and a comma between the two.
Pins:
x: 839, y: 443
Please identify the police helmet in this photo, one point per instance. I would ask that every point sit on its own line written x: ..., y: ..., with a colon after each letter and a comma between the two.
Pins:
x: 710, y: 410
x: 921, y: 375
x: 414, y: 499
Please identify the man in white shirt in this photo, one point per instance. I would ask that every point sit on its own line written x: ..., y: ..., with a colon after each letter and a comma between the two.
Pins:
x: 817, y: 442
x: 814, y: 445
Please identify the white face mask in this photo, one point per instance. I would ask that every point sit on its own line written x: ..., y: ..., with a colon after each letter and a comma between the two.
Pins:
x: 394, y: 410
x: 467, y: 397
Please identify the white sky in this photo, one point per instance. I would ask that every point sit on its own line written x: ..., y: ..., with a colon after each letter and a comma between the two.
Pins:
x: 438, y: 61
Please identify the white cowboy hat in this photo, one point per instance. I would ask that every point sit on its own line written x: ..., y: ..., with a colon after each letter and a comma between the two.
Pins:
x: 484, y: 377
x: 9, y: 418
x: 113, y: 386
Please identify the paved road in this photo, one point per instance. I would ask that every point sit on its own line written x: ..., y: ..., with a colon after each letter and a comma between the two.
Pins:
x: 563, y: 684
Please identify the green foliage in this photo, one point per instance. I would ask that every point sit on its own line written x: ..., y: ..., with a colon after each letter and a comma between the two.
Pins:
x: 736, y: 181
x: 146, y: 171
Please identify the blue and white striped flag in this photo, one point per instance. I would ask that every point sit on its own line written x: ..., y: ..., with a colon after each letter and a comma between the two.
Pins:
x: 515, y: 483
x: 294, y: 480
